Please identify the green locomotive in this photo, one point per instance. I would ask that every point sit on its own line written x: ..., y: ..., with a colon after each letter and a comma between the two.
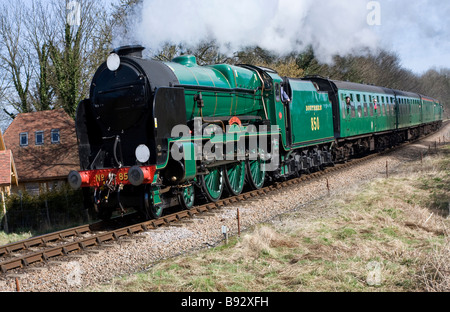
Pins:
x: 155, y: 134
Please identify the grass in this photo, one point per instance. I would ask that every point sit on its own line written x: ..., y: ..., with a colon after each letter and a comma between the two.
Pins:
x: 388, y: 235
x: 13, y: 237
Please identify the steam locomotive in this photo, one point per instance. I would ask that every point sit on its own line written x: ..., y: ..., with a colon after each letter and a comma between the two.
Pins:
x: 153, y: 134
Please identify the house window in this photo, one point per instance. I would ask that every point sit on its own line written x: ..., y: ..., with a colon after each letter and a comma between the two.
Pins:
x: 32, y: 189
x: 39, y: 135
x: 24, y: 139
x: 55, y: 136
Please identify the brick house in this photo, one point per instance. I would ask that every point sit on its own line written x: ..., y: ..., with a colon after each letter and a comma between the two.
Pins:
x: 44, y: 145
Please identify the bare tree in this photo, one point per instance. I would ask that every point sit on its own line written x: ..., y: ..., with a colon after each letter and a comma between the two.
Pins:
x: 48, y: 59
x: 38, y: 30
x: 76, y: 50
x: 15, y: 59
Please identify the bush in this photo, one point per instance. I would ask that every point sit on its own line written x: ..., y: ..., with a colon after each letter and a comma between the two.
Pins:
x: 53, y: 210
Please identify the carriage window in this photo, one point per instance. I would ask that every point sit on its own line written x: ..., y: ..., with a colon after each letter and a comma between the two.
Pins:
x: 364, y: 97
x: 382, y: 99
x: 353, y: 111
x: 346, y: 108
x: 358, y: 97
x: 371, y: 109
x: 366, y: 112
x: 384, y: 109
x: 359, y: 111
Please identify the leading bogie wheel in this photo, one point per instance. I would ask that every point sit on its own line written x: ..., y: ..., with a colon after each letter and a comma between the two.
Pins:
x: 186, y: 197
x: 151, y: 210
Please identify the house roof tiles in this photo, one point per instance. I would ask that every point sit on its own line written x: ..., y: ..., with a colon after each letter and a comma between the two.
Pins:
x: 5, y: 168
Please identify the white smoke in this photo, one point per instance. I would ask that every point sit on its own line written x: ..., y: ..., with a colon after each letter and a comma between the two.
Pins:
x: 282, y: 26
x: 418, y: 31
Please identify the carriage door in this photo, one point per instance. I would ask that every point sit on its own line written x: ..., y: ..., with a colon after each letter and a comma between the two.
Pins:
x: 347, y: 104
x: 376, y: 110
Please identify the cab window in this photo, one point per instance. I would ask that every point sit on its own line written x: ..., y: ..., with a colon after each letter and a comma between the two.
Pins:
x: 277, y: 92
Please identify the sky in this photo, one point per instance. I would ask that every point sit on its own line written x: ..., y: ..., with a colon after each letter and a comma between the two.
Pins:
x: 417, y: 30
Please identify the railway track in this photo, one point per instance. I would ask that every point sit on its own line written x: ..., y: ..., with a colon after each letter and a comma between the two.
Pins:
x: 22, y: 254
x: 62, y: 243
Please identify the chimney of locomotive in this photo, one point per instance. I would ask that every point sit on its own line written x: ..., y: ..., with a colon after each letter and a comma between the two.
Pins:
x: 130, y: 50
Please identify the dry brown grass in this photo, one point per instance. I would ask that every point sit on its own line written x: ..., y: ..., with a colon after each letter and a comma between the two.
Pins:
x: 435, y: 271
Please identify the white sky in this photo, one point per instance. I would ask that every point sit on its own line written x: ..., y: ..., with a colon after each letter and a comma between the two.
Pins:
x: 418, y: 30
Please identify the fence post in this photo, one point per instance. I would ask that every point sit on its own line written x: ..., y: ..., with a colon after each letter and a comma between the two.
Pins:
x: 238, y: 217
